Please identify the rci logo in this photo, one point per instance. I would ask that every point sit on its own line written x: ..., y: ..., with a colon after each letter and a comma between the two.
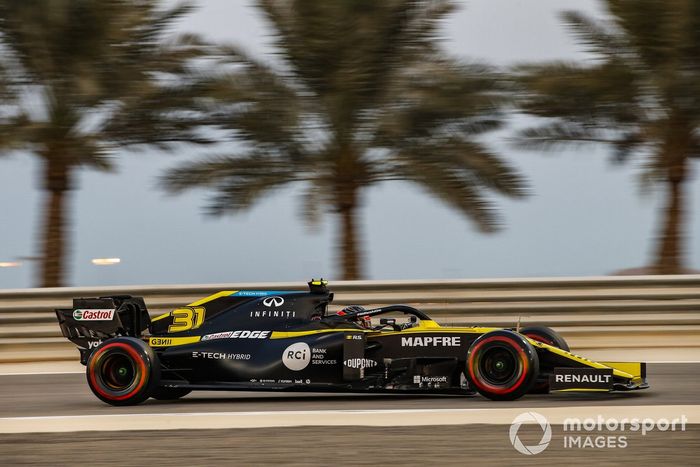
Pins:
x: 273, y: 301
x: 530, y: 417
x: 297, y: 356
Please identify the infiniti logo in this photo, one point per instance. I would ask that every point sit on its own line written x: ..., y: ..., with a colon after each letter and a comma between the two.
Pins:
x: 273, y: 301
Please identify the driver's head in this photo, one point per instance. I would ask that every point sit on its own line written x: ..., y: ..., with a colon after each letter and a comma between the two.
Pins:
x: 362, y: 321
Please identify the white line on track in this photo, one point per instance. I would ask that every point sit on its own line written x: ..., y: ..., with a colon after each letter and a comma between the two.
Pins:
x: 667, y: 361
x: 32, y: 373
x: 380, y: 417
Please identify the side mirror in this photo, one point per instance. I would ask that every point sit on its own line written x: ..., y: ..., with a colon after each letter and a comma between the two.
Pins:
x: 389, y: 321
x: 413, y: 319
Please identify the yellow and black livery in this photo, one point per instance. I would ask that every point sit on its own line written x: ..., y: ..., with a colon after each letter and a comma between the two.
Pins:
x: 286, y: 340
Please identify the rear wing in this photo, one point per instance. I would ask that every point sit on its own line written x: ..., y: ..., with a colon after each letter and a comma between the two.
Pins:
x: 92, y: 320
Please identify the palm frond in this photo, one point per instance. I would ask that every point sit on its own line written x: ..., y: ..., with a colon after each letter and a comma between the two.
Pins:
x: 458, y: 189
x: 599, y: 38
x: 236, y: 181
x: 605, y: 96
x: 558, y: 135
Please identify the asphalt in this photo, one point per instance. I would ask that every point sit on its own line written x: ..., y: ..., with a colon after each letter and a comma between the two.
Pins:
x: 68, y: 394
x: 674, y: 387
x: 318, y: 446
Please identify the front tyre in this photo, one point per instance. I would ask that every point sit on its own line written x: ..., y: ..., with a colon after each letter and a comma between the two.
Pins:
x: 123, y: 371
x: 547, y: 336
x: 502, y: 365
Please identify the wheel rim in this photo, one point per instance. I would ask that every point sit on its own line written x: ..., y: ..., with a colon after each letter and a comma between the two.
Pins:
x: 499, y: 366
x: 118, y: 372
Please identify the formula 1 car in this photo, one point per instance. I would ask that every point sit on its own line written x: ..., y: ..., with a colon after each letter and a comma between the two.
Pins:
x: 287, y: 341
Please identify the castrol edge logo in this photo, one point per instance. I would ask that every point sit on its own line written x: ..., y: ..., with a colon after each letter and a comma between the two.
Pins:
x: 94, y: 314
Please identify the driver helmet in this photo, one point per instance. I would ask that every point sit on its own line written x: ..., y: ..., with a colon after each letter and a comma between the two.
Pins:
x: 363, y: 321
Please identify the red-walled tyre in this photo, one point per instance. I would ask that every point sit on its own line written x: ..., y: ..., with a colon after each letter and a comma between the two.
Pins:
x: 123, y: 371
x: 502, y: 365
x: 548, y: 336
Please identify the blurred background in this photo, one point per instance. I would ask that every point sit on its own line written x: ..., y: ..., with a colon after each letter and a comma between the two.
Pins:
x: 146, y: 142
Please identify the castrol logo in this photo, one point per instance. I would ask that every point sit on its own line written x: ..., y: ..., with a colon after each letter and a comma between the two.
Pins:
x: 93, y: 314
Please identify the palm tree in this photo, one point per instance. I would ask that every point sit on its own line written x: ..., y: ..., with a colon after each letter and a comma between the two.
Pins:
x: 362, y: 94
x: 640, y: 95
x: 88, y: 77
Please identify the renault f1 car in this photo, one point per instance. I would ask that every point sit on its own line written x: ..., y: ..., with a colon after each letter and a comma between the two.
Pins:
x: 288, y: 341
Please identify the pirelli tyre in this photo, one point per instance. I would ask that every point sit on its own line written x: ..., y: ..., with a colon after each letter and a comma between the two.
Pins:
x: 169, y: 394
x: 548, y: 336
x: 502, y: 365
x: 123, y: 371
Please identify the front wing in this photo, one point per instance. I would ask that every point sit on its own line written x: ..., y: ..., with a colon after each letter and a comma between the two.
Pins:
x: 567, y: 371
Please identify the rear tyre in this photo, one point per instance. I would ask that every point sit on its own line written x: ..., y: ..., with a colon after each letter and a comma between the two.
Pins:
x: 123, y: 371
x: 502, y: 365
x: 547, y: 336
x: 169, y: 394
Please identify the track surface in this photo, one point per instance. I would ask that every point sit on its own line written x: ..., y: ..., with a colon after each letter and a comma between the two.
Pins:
x: 68, y: 394
x: 59, y: 395
x: 425, y: 446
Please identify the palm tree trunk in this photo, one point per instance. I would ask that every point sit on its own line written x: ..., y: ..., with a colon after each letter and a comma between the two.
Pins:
x: 669, y: 256
x: 53, y: 240
x: 348, y: 241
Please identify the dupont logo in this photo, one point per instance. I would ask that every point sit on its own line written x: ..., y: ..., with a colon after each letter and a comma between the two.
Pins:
x: 94, y: 314
x: 360, y: 363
